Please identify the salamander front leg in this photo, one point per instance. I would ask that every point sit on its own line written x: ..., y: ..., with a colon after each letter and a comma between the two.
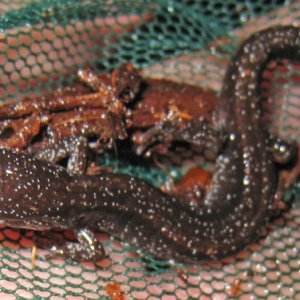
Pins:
x: 194, y: 132
x: 88, y: 248
x: 74, y: 148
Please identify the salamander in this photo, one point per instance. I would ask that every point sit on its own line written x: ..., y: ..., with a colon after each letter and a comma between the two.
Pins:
x: 38, y: 195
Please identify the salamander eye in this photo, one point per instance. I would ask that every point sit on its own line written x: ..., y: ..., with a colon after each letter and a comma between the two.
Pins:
x: 82, y: 219
x: 283, y: 152
x: 6, y: 133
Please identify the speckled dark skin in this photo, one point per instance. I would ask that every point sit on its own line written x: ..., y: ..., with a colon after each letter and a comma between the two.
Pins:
x: 38, y: 195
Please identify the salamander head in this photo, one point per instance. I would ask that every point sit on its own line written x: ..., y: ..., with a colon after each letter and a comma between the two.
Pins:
x: 32, y: 192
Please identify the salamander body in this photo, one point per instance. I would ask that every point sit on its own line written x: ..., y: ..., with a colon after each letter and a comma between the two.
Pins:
x: 38, y: 195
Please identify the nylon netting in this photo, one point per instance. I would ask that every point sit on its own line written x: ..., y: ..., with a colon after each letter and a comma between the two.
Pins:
x: 43, y: 42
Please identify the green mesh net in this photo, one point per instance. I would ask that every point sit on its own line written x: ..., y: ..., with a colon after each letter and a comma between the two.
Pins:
x: 42, y: 43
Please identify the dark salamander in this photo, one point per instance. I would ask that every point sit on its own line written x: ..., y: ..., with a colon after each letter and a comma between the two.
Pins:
x: 39, y: 195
